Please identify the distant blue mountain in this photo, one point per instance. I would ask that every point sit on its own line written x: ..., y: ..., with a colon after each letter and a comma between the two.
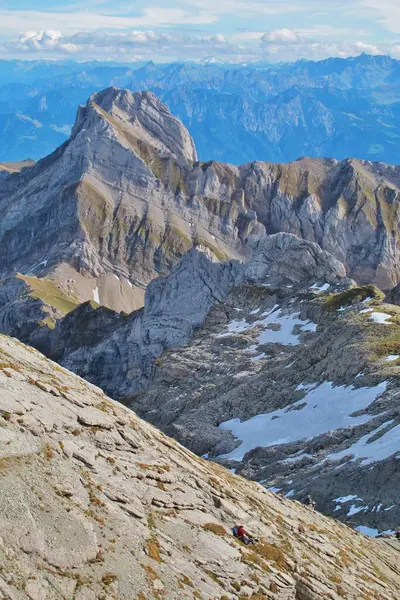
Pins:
x: 336, y: 107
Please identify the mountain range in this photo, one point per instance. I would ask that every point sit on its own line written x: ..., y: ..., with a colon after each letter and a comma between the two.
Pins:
x: 237, y: 308
x: 235, y: 113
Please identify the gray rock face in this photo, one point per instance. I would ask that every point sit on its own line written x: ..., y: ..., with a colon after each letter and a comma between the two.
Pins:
x: 123, y: 200
x: 149, y: 118
x: 222, y: 341
x: 96, y: 503
x: 21, y: 315
x: 92, y: 341
x: 111, y: 201
x: 285, y: 258
x: 393, y: 297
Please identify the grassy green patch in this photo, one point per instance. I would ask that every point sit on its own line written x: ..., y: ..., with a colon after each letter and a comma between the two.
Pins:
x: 389, y: 346
x: 215, y: 528
x: 47, y: 291
x: 353, y: 296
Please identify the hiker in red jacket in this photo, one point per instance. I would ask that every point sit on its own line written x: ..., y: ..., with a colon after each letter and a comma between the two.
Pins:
x: 243, y: 536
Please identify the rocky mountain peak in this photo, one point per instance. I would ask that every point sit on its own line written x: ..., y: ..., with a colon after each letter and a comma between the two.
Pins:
x: 144, y: 116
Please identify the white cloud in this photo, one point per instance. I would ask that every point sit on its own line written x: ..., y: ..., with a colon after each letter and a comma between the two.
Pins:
x: 134, y: 45
x: 44, y: 41
x: 252, y: 7
x: 395, y: 51
x: 281, y: 37
x: 288, y: 44
x: 318, y: 50
x: 64, y: 129
x: 367, y: 48
x: 158, y: 33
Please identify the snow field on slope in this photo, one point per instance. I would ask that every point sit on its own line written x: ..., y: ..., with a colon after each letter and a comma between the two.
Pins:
x: 326, y: 409
x: 283, y: 334
x: 372, y: 451
x: 370, y: 532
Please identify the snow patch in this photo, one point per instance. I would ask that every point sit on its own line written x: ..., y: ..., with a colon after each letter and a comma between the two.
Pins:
x: 327, y: 408
x: 259, y: 357
x: 380, y: 318
x: 367, y: 530
x: 284, y: 335
x: 373, y: 532
x: 356, y: 509
x: 302, y: 386
x: 320, y: 288
x: 282, y: 331
x: 297, y: 457
x: 372, y: 451
x: 43, y: 263
x: 270, y: 311
x: 237, y: 326
x: 310, y: 326
x: 344, y: 499
x: 392, y: 357
x: 365, y: 311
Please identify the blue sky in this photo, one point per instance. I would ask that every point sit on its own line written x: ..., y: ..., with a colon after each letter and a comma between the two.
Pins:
x: 234, y: 30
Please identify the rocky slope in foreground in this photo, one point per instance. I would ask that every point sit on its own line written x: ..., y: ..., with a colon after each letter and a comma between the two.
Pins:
x: 95, y: 503
x: 125, y: 197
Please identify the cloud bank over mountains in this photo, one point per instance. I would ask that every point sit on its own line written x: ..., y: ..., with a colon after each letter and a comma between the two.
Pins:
x: 173, y: 30
x: 283, y: 44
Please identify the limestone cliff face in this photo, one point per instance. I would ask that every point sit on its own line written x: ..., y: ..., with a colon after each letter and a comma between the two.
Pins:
x: 125, y: 197
x: 110, y: 202
x: 95, y: 503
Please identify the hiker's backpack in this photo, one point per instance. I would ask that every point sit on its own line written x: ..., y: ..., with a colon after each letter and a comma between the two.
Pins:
x: 235, y: 532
